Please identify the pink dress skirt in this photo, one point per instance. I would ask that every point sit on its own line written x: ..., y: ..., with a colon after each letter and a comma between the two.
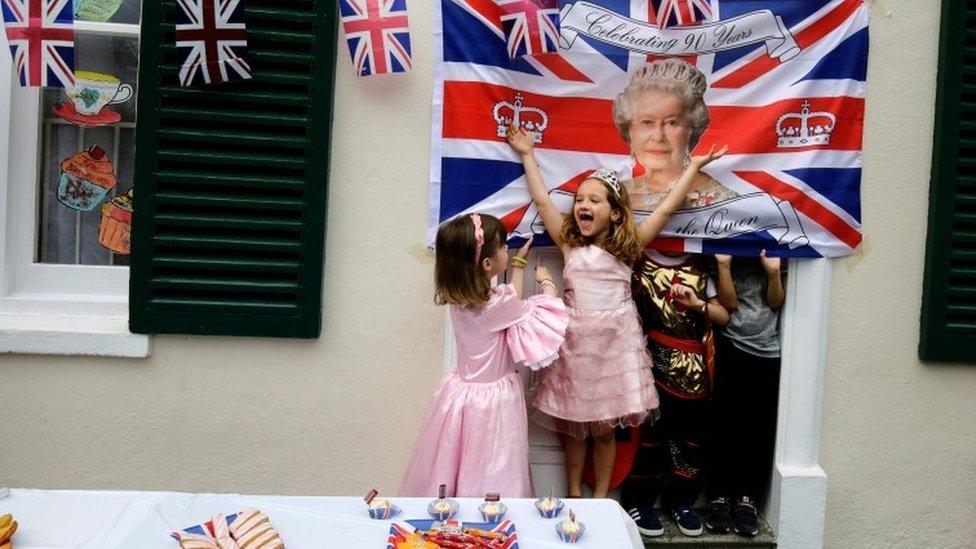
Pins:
x: 602, y: 379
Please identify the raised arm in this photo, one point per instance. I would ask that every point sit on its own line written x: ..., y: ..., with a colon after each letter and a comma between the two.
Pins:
x: 724, y: 284
x: 775, y: 293
x: 651, y: 226
x: 523, y: 143
x: 519, y: 261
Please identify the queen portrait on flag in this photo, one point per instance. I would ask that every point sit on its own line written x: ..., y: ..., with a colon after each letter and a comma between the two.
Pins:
x: 661, y: 115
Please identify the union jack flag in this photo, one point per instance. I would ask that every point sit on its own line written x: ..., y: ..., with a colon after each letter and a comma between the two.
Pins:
x: 378, y: 35
x: 793, y: 120
x: 672, y: 13
x: 42, y: 41
x: 531, y: 26
x: 211, y: 38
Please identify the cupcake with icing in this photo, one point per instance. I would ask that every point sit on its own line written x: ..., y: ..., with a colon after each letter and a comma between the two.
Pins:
x: 115, y: 229
x: 86, y: 179
x: 492, y: 510
x: 570, y: 530
x: 549, y: 507
x: 442, y: 508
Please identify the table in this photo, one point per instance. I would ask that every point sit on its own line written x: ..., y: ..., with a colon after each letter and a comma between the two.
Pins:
x: 83, y: 519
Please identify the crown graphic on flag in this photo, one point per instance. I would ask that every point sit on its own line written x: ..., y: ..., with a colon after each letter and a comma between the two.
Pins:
x: 804, y: 128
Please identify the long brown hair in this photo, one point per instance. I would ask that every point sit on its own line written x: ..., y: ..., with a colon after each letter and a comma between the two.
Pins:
x: 621, y: 240
x: 459, y: 278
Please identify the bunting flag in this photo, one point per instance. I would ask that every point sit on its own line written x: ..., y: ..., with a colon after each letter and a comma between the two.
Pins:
x: 531, y: 26
x: 378, y: 35
x: 42, y: 41
x: 783, y: 82
x: 211, y: 40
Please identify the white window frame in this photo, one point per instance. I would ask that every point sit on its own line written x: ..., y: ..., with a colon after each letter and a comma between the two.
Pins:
x: 48, y: 308
x: 798, y: 492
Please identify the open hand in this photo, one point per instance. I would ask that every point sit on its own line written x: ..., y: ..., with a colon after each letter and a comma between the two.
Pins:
x: 701, y: 161
x: 520, y: 140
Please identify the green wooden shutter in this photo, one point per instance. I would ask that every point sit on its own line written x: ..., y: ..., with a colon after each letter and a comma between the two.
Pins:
x: 230, y: 192
x: 948, y: 322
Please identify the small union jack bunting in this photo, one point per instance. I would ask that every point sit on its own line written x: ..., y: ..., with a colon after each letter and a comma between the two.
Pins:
x: 531, y: 26
x: 676, y: 13
x: 42, y: 41
x: 211, y: 39
x: 378, y: 34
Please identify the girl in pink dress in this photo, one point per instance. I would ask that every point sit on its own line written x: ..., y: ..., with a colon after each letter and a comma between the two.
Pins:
x: 475, y: 437
x: 603, y: 378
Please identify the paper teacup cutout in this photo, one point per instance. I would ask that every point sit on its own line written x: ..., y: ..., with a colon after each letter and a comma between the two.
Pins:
x: 93, y: 91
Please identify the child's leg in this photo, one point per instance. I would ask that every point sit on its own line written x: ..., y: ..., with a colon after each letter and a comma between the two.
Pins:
x: 575, y: 459
x: 604, y: 457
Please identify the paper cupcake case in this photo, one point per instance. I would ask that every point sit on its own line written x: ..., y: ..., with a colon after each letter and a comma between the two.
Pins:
x: 115, y: 229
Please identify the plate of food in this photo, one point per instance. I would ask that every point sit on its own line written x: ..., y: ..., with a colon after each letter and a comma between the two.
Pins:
x: 452, y: 534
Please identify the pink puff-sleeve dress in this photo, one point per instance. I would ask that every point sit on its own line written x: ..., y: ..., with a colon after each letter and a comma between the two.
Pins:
x: 475, y: 436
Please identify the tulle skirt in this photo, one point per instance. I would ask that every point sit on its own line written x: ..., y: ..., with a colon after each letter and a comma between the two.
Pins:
x: 602, y: 379
x: 475, y: 440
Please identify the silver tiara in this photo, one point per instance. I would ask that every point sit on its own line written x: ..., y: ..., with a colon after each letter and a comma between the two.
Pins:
x: 609, y: 177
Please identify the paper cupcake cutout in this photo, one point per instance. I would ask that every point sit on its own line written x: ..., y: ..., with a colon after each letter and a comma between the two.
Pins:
x: 86, y: 179
x: 115, y: 228
x: 89, y: 97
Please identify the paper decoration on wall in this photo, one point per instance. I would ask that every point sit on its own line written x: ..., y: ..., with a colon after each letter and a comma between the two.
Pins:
x: 96, y: 10
x: 531, y: 26
x: 42, y: 41
x: 89, y: 97
x: 378, y: 35
x: 115, y: 229
x: 86, y: 179
x: 782, y: 83
x: 211, y: 41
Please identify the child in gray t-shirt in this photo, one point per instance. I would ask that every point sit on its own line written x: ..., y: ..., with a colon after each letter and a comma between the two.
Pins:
x: 746, y: 390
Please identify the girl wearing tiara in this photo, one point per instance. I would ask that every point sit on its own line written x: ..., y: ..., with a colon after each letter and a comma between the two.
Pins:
x: 475, y: 437
x: 603, y: 378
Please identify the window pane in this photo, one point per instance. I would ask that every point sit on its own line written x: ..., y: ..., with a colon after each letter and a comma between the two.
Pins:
x: 112, y: 11
x: 106, y: 70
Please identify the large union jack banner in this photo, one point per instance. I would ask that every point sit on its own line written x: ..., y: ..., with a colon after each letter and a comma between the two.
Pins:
x: 42, y: 41
x: 211, y: 40
x: 378, y: 35
x: 783, y: 82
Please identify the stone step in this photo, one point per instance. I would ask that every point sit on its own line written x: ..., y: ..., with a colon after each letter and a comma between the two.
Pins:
x: 674, y: 539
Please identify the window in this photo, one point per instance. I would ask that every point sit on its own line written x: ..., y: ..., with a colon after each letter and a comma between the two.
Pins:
x: 56, y: 279
x: 948, y: 320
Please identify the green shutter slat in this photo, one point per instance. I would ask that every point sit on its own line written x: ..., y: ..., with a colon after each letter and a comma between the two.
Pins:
x: 229, y: 221
x: 234, y: 264
x: 233, y: 138
x: 223, y: 178
x: 948, y: 313
x: 235, y: 115
x: 236, y: 159
x: 225, y: 284
x: 269, y: 57
x: 223, y: 305
x: 280, y: 14
x: 239, y: 243
x: 264, y: 98
x: 226, y: 221
x: 210, y: 199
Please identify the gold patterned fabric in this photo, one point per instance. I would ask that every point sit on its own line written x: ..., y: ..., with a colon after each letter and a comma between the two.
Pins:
x: 673, y: 333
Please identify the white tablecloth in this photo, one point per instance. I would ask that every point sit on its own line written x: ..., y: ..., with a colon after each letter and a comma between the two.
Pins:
x: 62, y: 519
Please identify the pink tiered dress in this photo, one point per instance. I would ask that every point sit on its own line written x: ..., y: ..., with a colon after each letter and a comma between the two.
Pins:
x: 602, y: 379
x: 475, y: 436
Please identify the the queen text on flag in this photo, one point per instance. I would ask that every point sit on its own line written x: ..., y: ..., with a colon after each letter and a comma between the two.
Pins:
x: 378, y: 35
x: 41, y: 38
x: 640, y: 86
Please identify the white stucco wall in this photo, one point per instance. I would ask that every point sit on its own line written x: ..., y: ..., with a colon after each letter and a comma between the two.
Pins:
x: 898, y: 446
x: 337, y: 415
